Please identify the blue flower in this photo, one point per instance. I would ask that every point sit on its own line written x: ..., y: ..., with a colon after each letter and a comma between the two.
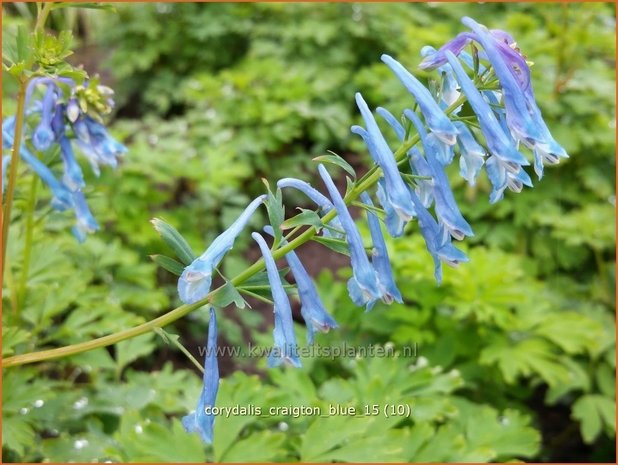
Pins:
x: 318, y: 198
x: 446, y: 206
x: 194, y: 283
x: 420, y: 167
x: 392, y: 122
x: 73, y: 177
x: 434, y: 59
x: 43, y: 135
x: 364, y: 284
x: 499, y: 143
x: 395, y: 187
x: 85, y: 221
x: 523, y: 115
x: 379, y: 256
x: 96, y: 143
x: 438, y: 244
x: 311, y: 308
x: 436, y: 119
x: 501, y: 179
x: 449, y: 92
x: 472, y: 153
x: 199, y: 421
x: 285, y: 350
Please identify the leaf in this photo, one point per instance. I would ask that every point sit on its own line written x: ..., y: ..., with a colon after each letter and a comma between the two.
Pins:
x: 11, y: 337
x: 338, y: 245
x: 593, y: 412
x: 336, y: 160
x: 305, y: 217
x: 132, y: 349
x: 168, y: 263
x: 227, y: 295
x: 262, y: 447
x: 174, y: 239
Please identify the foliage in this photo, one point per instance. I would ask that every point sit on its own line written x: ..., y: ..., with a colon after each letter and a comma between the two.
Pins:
x: 224, y: 94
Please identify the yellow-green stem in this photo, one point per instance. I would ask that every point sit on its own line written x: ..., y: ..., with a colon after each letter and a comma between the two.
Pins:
x: 369, y: 179
x: 10, y: 190
x: 23, y: 282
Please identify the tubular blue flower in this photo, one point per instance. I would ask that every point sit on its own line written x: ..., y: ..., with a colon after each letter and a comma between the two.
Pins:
x: 395, y: 187
x: 43, y: 135
x: 96, y: 143
x: 199, y: 421
x: 195, y: 280
x: 316, y: 197
x: 392, y: 122
x: 498, y: 143
x: 438, y: 244
x: 450, y: 92
x: 73, y: 177
x: 500, y: 179
x: 446, y: 206
x: 523, y: 115
x: 379, y: 256
x: 438, y: 57
x: 420, y: 167
x: 85, y: 221
x: 364, y: 284
x: 436, y: 119
x: 311, y: 308
x: 285, y: 350
x: 62, y: 198
x: 472, y: 153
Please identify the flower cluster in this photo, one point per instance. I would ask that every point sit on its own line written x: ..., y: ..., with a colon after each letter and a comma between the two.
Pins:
x: 63, y: 118
x: 413, y: 185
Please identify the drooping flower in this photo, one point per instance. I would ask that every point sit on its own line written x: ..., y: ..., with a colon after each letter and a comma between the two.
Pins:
x: 96, y: 143
x: 394, y: 185
x: 499, y: 143
x: 364, y: 284
x: 85, y: 221
x: 379, y: 256
x: 446, y: 206
x: 194, y: 283
x: 43, y: 135
x: 523, y: 115
x: 285, y: 350
x: 437, y: 121
x: 438, y: 244
x: 73, y: 177
x: 424, y: 185
x: 472, y: 153
x: 199, y: 421
x: 311, y: 307
x: 395, y: 222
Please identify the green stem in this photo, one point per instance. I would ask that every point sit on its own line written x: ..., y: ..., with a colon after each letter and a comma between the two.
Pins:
x: 28, y: 242
x: 43, y: 14
x: 10, y: 190
x: 368, y: 180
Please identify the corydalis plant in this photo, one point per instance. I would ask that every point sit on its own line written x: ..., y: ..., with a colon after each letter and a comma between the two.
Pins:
x: 67, y: 114
x: 412, y: 186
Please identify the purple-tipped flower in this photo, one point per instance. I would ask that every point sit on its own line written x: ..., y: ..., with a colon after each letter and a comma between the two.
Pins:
x: 43, y: 135
x: 472, y: 153
x: 364, y: 283
x: 285, y: 350
x: 379, y: 256
x: 438, y: 57
x: 395, y: 187
x: 446, y: 206
x: 311, y: 308
x: 436, y: 119
x: 85, y: 221
x: 199, y: 421
x: 438, y: 244
x: 194, y: 283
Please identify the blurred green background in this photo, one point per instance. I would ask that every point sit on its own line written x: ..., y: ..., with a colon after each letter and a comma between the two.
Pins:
x: 515, y: 352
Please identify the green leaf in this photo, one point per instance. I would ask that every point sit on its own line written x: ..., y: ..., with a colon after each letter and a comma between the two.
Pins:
x: 305, y: 217
x: 174, y: 239
x: 338, y: 245
x: 593, y: 412
x: 132, y: 349
x: 336, y: 160
x: 168, y: 263
x: 262, y: 447
x: 12, y: 336
x: 227, y: 295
